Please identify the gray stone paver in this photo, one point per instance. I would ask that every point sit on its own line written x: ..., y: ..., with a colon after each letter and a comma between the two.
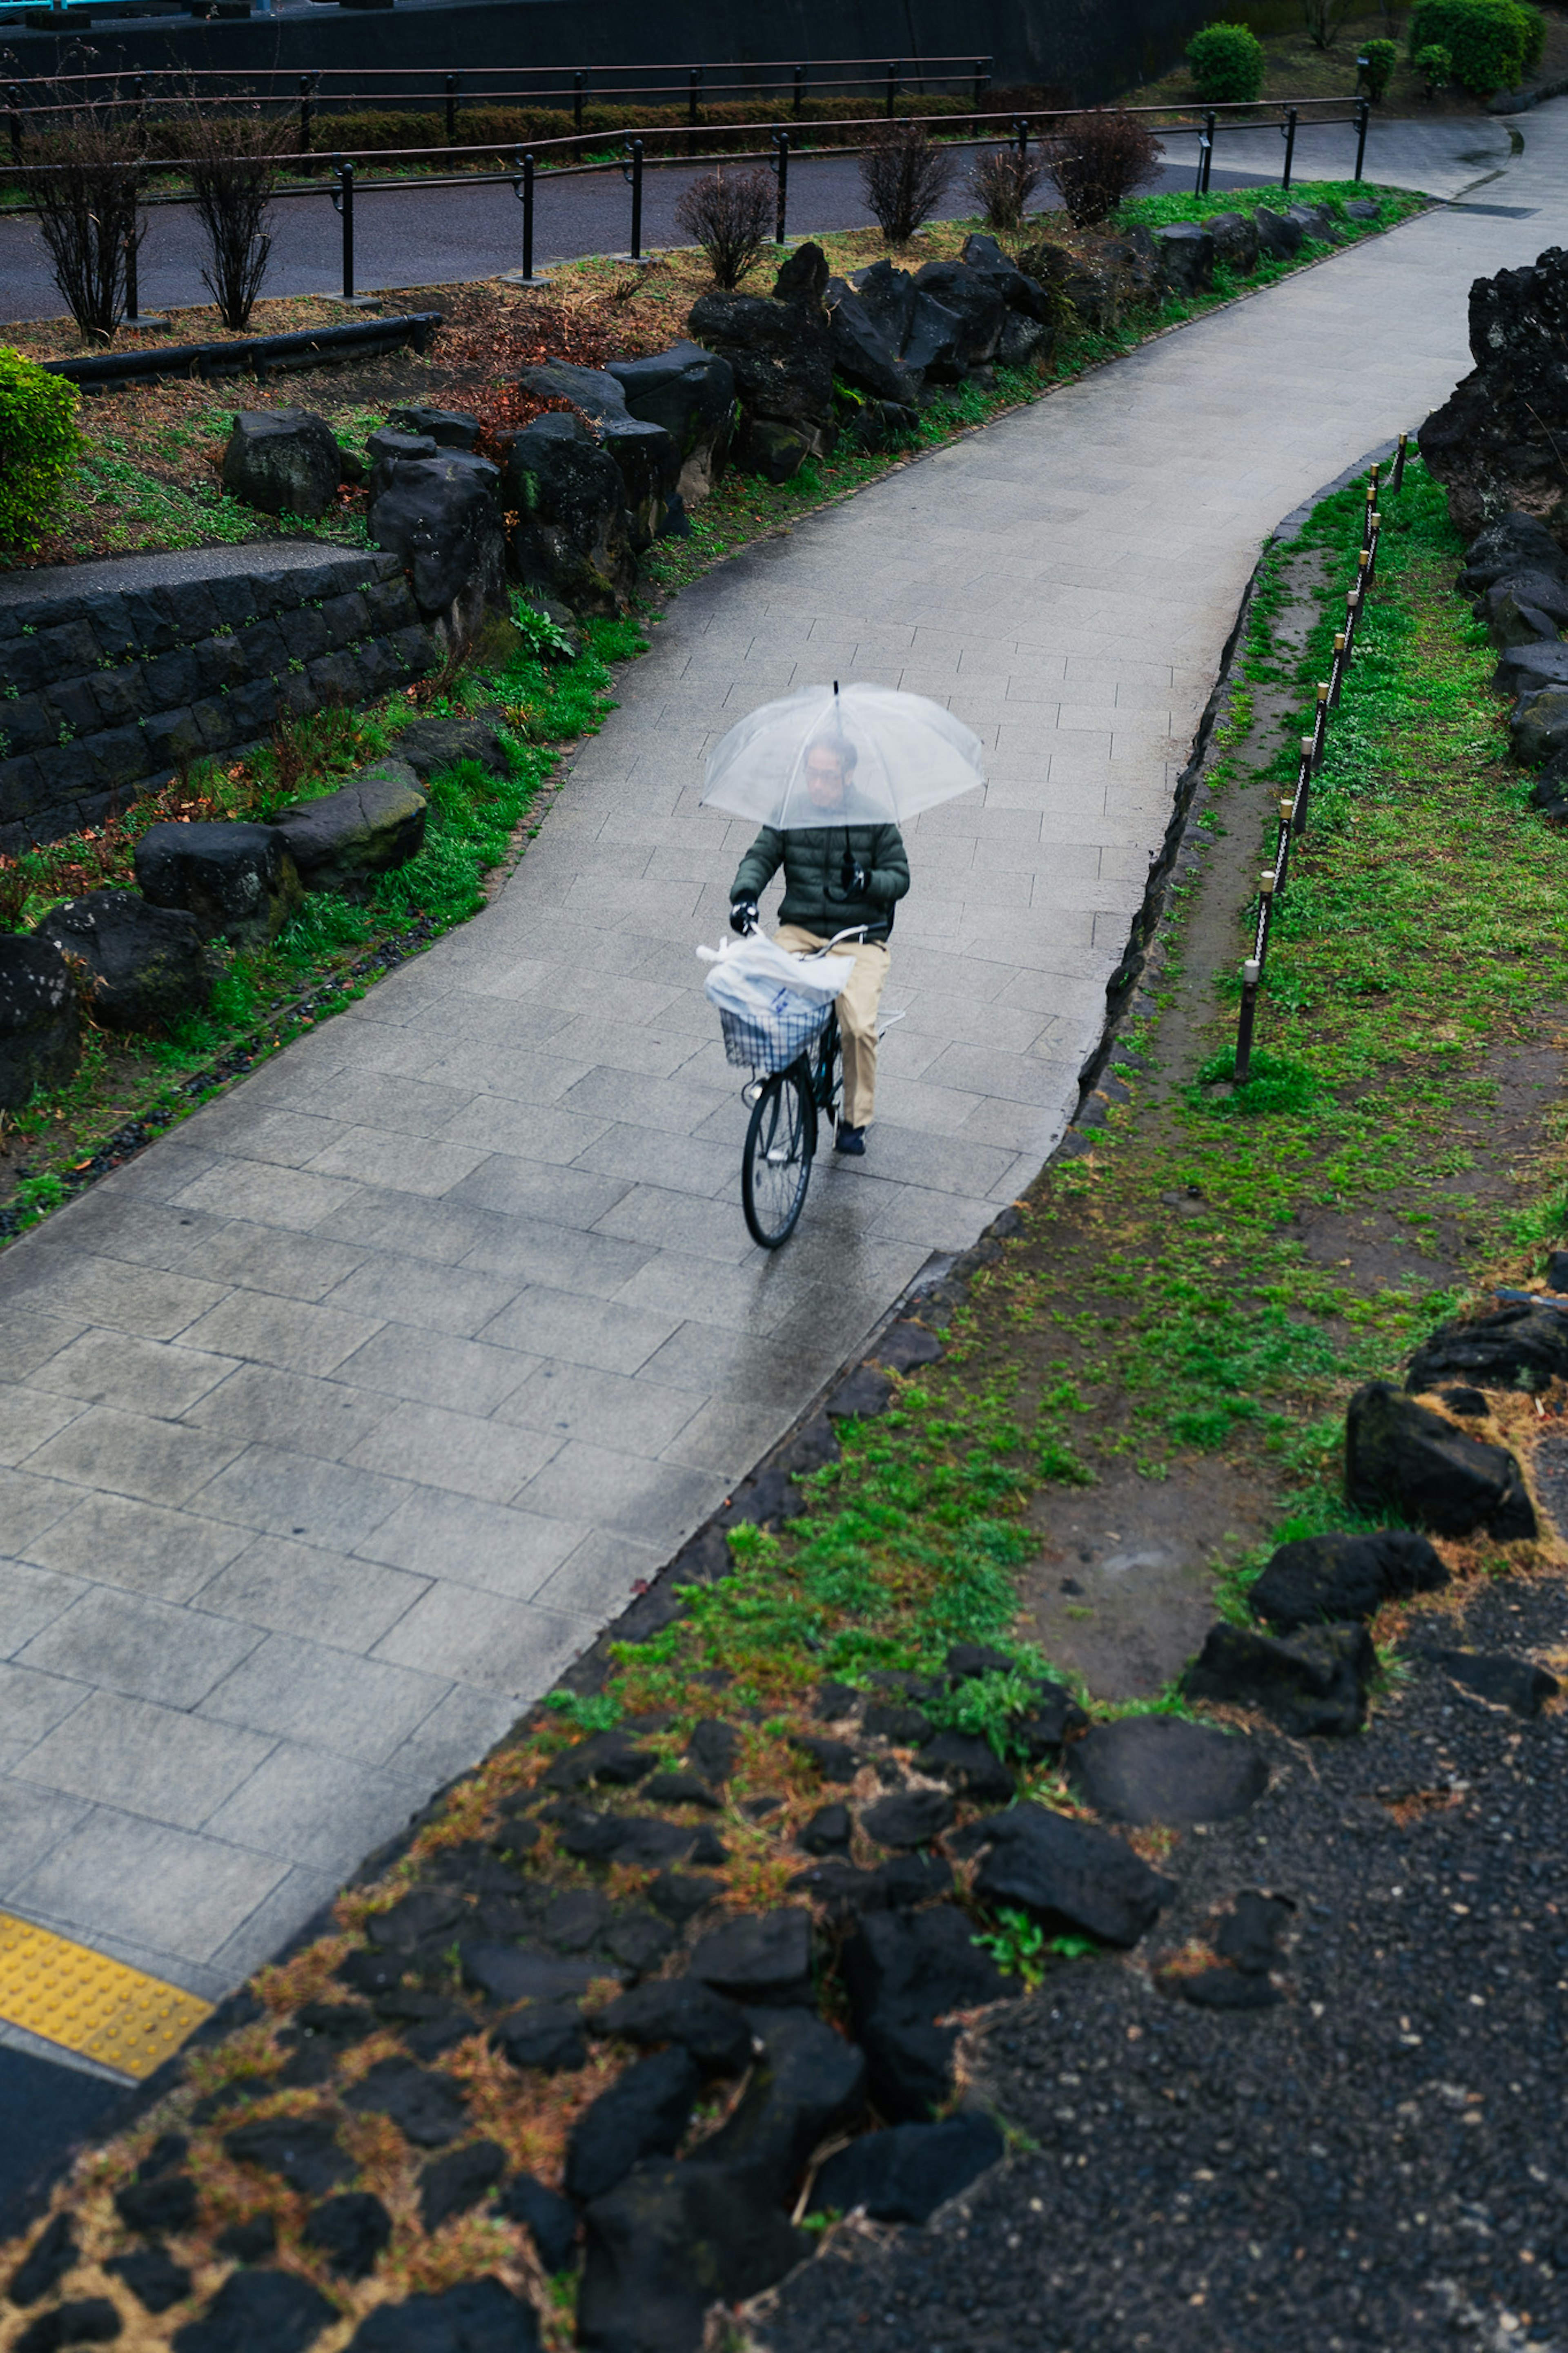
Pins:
x: 332, y: 1427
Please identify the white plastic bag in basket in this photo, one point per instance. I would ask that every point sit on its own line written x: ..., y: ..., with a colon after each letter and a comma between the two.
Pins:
x: 749, y: 976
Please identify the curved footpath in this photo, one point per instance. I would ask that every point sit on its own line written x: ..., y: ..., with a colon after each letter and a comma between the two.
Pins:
x: 341, y: 1419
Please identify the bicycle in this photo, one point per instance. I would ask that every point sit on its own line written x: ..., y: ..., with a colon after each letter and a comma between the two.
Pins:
x: 781, y: 1136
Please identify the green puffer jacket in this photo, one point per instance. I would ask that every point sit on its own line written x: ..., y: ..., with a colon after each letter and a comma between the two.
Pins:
x: 817, y: 860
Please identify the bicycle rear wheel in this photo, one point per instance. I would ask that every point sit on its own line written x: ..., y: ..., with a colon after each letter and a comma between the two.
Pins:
x: 776, y: 1167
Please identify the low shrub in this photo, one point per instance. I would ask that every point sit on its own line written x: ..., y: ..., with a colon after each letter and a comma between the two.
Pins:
x: 1106, y: 155
x: 39, y: 443
x: 905, y: 179
x: 731, y: 218
x: 1435, y: 67
x: 1003, y: 183
x: 1377, y: 61
x: 88, y: 214
x: 233, y: 176
x: 1491, y: 43
x: 1228, y: 63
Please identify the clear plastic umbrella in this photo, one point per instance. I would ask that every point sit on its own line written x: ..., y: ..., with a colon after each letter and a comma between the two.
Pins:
x: 864, y: 755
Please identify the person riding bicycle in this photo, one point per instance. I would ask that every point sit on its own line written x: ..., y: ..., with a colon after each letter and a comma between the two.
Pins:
x: 837, y: 876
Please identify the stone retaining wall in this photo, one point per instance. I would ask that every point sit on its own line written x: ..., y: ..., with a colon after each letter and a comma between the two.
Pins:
x: 106, y: 693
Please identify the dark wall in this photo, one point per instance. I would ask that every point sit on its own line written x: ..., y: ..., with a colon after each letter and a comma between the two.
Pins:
x: 109, y: 692
x: 1091, y: 48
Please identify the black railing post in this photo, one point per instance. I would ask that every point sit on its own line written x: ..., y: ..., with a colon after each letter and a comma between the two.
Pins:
x: 1251, y: 973
x: 781, y: 168
x: 1289, y: 144
x: 451, y: 110
x: 14, y: 105
x: 1303, y: 787
x: 634, y: 149
x: 1209, y: 152
x: 132, y: 286
x: 577, y: 86
x: 799, y: 106
x: 1363, y: 115
x: 982, y: 84
x: 694, y: 95
x: 1282, y: 847
x: 307, y: 85
x: 1202, y: 159
x: 1320, y: 723
x: 892, y: 85
x: 528, y: 216
x: 1399, y: 457
x: 1337, y: 674
x: 1372, y: 544
x: 1264, y: 917
x: 139, y: 92
x: 344, y: 200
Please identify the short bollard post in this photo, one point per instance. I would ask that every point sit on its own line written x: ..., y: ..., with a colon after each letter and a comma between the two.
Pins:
x: 344, y: 200
x: 1251, y: 973
x: 1399, y: 457
x: 1363, y: 115
x: 781, y: 169
x: 1202, y: 162
x: 1319, y: 724
x: 1352, y: 615
x: 1371, y: 543
x: 634, y: 149
x: 1289, y: 145
x: 1021, y: 135
x: 528, y: 216
x: 1337, y: 675
x: 1282, y: 847
x: 1303, y: 787
x: 1207, y: 151
x: 982, y: 84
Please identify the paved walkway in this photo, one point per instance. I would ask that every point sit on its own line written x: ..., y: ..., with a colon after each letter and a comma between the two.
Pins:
x: 341, y: 1419
x: 433, y: 237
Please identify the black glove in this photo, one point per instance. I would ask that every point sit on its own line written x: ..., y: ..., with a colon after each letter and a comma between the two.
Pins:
x: 743, y: 915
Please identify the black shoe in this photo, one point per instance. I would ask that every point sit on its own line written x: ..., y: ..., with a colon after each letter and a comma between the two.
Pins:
x: 851, y: 1140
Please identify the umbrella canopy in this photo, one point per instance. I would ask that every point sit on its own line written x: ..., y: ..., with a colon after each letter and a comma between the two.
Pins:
x: 866, y: 756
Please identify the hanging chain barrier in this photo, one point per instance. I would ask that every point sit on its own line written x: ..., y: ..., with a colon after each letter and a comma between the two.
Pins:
x: 1294, y: 806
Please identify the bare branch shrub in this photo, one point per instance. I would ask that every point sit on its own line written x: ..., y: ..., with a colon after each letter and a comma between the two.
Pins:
x: 84, y: 183
x: 731, y: 217
x: 905, y: 177
x: 233, y: 176
x: 1003, y: 182
x: 1102, y: 159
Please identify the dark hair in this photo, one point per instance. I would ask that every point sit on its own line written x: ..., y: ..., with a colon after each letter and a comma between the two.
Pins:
x: 843, y: 751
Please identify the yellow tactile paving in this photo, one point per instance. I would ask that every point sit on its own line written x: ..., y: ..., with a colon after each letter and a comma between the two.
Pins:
x: 90, y: 2004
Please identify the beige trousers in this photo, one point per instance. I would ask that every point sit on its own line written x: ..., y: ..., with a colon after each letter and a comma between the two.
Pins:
x: 857, y: 1003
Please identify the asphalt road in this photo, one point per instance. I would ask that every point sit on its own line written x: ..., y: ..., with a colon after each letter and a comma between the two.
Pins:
x: 419, y: 236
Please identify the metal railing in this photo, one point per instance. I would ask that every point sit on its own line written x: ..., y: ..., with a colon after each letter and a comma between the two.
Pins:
x: 522, y: 167
x: 1295, y: 807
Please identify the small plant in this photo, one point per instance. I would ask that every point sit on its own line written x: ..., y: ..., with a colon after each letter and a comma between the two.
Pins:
x: 1017, y: 1944
x: 1491, y: 43
x: 905, y: 177
x: 1274, y: 1083
x: 1435, y: 67
x: 40, y: 443
x: 1003, y: 182
x: 1107, y: 154
x: 731, y: 217
x: 1377, y: 61
x: 84, y: 185
x: 585, y: 1712
x: 233, y: 176
x: 1228, y: 63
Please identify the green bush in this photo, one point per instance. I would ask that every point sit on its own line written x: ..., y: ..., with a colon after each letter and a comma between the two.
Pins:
x: 1377, y: 73
x: 1435, y: 67
x: 40, y: 443
x: 1491, y: 43
x: 1227, y: 63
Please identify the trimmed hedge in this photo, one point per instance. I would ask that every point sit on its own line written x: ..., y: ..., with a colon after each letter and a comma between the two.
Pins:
x: 1493, y: 43
x: 481, y: 125
x: 40, y: 443
x: 1228, y: 63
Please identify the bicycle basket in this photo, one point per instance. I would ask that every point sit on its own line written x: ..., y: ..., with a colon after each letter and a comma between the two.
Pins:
x: 771, y: 1039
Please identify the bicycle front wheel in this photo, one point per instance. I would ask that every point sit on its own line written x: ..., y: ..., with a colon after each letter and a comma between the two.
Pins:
x: 776, y: 1169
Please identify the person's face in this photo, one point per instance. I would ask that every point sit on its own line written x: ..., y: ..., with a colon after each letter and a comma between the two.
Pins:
x: 825, y: 777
